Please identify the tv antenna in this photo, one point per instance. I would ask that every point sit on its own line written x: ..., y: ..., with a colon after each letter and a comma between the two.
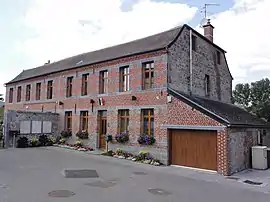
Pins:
x: 205, y: 11
x: 205, y: 8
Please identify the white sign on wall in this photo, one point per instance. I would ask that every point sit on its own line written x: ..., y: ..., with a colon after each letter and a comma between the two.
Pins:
x: 47, y: 126
x: 25, y: 127
x: 36, y: 126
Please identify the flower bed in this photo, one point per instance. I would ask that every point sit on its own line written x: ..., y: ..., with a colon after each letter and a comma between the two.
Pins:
x: 75, y: 146
x: 142, y: 157
x: 39, y: 141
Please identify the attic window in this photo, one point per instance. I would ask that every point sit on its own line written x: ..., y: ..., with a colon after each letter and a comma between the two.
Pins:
x: 80, y: 62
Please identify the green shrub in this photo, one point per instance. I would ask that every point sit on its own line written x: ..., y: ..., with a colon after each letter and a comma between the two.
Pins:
x: 119, y: 151
x: 62, y: 141
x: 144, y: 155
x: 34, y: 142
x: 22, y: 142
x: 51, y: 141
x: 66, y: 133
x: 78, y: 143
x: 43, y: 140
x: 82, y: 135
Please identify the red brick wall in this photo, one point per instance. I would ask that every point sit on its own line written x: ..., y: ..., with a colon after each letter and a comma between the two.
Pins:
x: 114, y: 100
x: 176, y: 113
x: 179, y: 113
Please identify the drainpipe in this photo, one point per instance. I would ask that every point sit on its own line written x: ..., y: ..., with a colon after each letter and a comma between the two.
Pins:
x: 190, y: 61
x: 167, y: 67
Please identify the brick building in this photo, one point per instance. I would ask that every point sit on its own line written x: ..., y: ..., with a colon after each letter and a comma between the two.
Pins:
x: 175, y: 85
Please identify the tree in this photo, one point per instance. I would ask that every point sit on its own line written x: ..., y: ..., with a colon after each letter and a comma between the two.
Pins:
x: 254, y: 97
x: 1, y: 97
x: 241, y: 95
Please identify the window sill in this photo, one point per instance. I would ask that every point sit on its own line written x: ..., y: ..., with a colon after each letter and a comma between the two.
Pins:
x: 102, y: 94
x: 124, y: 92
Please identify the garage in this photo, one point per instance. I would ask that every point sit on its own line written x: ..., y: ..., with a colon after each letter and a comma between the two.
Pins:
x: 194, y: 148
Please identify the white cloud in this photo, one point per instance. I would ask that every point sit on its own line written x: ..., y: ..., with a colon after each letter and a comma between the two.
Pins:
x: 65, y: 28
x: 243, y: 32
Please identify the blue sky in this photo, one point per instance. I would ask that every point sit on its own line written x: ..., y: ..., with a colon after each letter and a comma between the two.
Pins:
x: 34, y: 31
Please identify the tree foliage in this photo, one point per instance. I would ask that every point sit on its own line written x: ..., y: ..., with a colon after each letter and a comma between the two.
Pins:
x: 1, y: 97
x: 254, y: 97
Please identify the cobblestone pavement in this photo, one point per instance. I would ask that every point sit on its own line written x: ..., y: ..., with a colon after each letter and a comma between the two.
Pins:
x: 40, y: 175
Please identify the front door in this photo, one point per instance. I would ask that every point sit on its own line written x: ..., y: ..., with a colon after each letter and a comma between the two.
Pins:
x: 102, y: 117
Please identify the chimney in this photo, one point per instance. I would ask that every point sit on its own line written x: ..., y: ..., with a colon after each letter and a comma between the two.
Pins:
x: 208, y: 30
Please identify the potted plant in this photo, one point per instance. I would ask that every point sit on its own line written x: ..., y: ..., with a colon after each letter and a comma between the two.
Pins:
x: 82, y: 135
x: 66, y: 134
x: 122, y: 137
x: 145, y: 139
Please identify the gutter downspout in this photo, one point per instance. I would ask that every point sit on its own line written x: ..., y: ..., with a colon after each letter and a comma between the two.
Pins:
x: 190, y: 62
x: 167, y: 66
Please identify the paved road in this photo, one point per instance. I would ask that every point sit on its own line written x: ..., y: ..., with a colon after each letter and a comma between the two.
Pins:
x: 28, y: 175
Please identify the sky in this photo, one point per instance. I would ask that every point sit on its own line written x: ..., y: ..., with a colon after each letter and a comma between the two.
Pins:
x: 35, y: 31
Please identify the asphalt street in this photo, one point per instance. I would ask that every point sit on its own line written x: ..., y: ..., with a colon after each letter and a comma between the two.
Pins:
x: 38, y: 175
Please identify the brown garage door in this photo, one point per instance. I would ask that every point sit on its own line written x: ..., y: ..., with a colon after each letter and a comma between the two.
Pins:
x: 196, y: 149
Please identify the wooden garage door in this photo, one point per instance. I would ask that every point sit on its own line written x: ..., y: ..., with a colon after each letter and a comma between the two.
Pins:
x: 196, y: 149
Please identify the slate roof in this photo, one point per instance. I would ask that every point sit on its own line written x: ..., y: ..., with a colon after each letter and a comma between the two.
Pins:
x: 147, y: 44
x: 229, y: 114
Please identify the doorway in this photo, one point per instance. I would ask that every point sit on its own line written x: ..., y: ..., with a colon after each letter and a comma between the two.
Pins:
x: 102, y: 123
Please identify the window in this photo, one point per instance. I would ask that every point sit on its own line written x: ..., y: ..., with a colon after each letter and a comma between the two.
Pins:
x: 124, y: 79
x: 84, y: 120
x: 10, y: 99
x: 148, y: 121
x: 68, y: 121
x: 38, y: 91
x: 148, y: 75
x: 103, y: 78
x: 84, y: 84
x: 123, y: 120
x: 50, y: 90
x: 19, y: 94
x: 207, y: 85
x: 194, y: 42
x: 218, y: 57
x: 69, y: 86
x: 28, y: 92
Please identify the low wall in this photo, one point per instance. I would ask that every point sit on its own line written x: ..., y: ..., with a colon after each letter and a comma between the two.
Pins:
x: 27, y: 123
